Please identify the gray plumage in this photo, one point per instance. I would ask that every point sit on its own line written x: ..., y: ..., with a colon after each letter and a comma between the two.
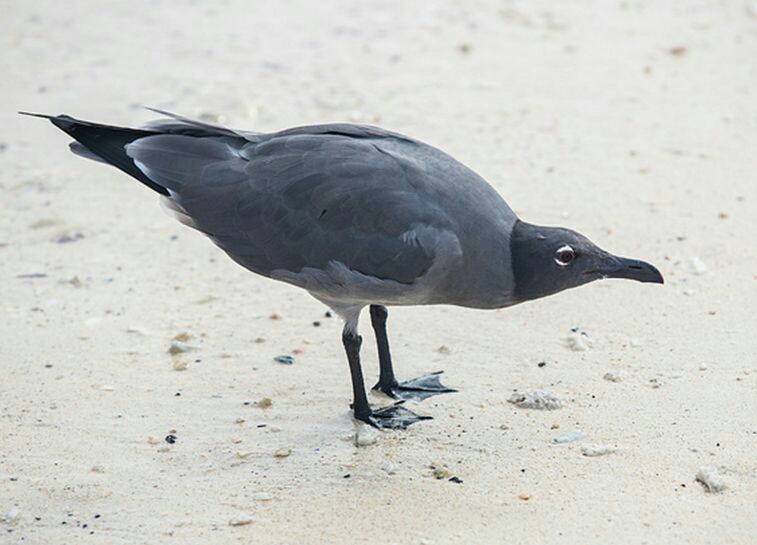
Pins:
x: 354, y: 214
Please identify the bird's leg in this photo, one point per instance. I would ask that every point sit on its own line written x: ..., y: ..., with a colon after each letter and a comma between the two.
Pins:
x: 416, y: 389
x: 387, y: 381
x: 395, y: 416
x: 360, y: 407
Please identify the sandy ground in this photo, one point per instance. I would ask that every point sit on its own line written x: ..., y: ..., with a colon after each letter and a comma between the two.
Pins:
x: 633, y: 122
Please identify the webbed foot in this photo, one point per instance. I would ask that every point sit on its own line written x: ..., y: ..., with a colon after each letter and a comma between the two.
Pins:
x: 416, y: 389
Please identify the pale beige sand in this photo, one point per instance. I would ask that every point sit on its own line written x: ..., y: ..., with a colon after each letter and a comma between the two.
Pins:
x: 632, y: 122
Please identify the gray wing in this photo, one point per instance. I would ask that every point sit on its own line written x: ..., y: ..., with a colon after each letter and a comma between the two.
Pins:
x: 302, y: 198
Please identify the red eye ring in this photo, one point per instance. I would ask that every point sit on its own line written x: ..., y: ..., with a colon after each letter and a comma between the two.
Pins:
x: 565, y: 255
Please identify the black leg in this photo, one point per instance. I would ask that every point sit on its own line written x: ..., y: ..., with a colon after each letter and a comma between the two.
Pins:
x: 416, y: 389
x: 395, y: 416
x: 387, y: 381
x: 352, y: 342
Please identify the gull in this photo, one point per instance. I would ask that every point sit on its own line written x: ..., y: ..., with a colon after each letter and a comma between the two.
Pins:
x: 357, y: 216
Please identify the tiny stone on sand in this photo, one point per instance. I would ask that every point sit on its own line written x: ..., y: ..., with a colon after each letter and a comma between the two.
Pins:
x: 611, y: 377
x: 179, y: 347
x: 578, y: 340
x: 243, y: 520
x: 697, y: 266
x: 592, y: 451
x: 365, y: 436
x: 570, y: 437
x: 537, y: 399
x: 711, y: 479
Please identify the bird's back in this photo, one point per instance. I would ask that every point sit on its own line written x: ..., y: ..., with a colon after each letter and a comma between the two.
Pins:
x: 307, y: 204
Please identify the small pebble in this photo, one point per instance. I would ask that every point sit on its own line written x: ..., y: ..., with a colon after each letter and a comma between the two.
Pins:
x: 697, y: 266
x: 66, y: 238
x: 265, y: 403
x: 541, y: 364
x: 316, y: 323
x: 570, y: 437
x: 578, y: 340
x: 282, y: 452
x: 611, y: 377
x: 457, y: 480
x: 365, y: 436
x: 244, y: 454
x: 703, y: 367
x: 444, y: 349
x: 179, y: 347
x: 524, y: 497
x: 180, y: 365
x: 243, y: 520
x: 677, y: 51
x: 389, y: 468
x: 328, y: 314
x: 597, y: 450
x: 711, y: 479
x: 239, y: 420
x: 182, y: 337
x: 274, y: 316
x: 284, y: 359
x: 12, y: 516
x: 153, y: 440
x: 259, y: 340
x: 170, y: 439
x: 537, y: 399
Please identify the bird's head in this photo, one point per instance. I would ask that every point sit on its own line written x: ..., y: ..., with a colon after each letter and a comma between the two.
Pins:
x: 548, y: 260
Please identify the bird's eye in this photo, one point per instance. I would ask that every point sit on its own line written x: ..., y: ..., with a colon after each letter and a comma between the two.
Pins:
x: 565, y: 256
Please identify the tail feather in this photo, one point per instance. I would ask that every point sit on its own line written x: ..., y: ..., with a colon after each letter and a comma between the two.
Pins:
x: 106, y: 142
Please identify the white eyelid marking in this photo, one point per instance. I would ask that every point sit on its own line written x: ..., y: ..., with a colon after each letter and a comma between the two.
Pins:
x: 561, y: 249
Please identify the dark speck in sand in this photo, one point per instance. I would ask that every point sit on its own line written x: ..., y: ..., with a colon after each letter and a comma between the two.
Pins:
x: 346, y: 476
x: 284, y: 359
x: 66, y: 238
x: 170, y: 439
x: 316, y: 323
x: 457, y: 480
x: 328, y: 314
x: 542, y: 364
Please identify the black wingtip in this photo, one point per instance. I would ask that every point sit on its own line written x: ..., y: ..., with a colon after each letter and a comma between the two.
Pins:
x: 43, y: 116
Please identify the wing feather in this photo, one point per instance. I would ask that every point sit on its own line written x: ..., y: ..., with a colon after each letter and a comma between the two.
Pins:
x: 297, y: 200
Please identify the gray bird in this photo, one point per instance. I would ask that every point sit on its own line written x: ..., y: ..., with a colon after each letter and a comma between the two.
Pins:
x: 357, y: 216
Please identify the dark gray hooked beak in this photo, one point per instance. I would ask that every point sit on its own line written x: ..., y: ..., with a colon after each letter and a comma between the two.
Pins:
x: 633, y: 269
